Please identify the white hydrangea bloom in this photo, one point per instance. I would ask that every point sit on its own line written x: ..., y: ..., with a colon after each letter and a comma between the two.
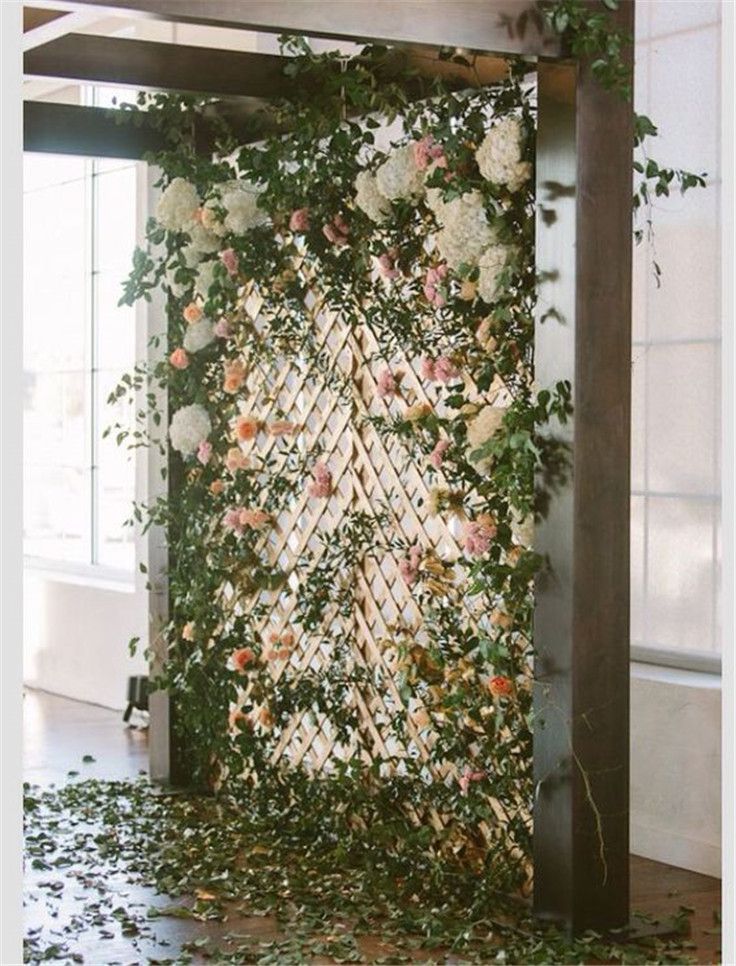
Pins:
x: 177, y: 205
x: 211, y: 219
x: 240, y: 201
x: 369, y: 199
x: 465, y: 231
x: 203, y: 240
x: 499, y: 155
x: 492, y: 262
x: 192, y: 256
x: 399, y: 176
x: 481, y: 428
x: 205, y: 278
x: 198, y: 335
x: 189, y: 427
x: 178, y: 289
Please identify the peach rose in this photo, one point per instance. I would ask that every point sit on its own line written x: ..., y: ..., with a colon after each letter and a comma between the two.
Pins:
x: 234, y: 375
x: 187, y: 632
x: 236, y: 459
x: 256, y: 519
x: 501, y: 619
x: 192, y: 313
x: 217, y: 487
x: 500, y: 686
x: 179, y: 358
x: 246, y: 428
x: 240, y: 659
x: 236, y: 717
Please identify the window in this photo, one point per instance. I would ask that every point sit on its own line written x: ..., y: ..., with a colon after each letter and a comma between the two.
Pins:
x: 677, y: 349
x: 80, y: 227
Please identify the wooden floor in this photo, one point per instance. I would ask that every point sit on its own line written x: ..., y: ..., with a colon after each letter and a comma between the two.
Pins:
x: 59, y: 733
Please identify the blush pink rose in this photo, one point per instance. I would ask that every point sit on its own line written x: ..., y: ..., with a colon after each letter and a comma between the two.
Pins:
x: 409, y: 565
x: 433, y: 283
x: 299, y: 221
x: 282, y: 427
x: 231, y: 520
x: 469, y: 776
x: 179, y: 358
x: 445, y: 369
x: 255, y: 519
x: 438, y: 453
x: 204, y: 452
x: 478, y: 535
x: 223, y: 329
x: 387, y: 384
x: 386, y: 266
x: 236, y: 460
x: 336, y: 231
x: 426, y: 151
x: 229, y: 259
x: 321, y: 487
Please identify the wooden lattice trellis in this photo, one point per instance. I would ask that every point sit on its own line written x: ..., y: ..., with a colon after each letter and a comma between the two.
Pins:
x: 374, y: 474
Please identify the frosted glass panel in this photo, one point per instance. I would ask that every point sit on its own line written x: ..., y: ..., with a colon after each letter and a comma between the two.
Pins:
x: 680, y: 574
x: 681, y: 418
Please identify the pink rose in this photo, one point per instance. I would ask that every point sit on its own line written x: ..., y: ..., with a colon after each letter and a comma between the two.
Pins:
x: 336, y: 231
x: 231, y: 520
x: 426, y: 151
x: 438, y: 453
x: 236, y: 460
x: 426, y: 369
x: 386, y: 267
x: 204, y: 452
x: 409, y: 565
x: 445, y: 369
x: 299, y: 221
x: 478, y: 534
x: 321, y: 487
x: 469, y: 776
x: 179, y: 358
x: 223, y: 329
x: 387, y: 384
x: 230, y: 260
x: 433, y: 282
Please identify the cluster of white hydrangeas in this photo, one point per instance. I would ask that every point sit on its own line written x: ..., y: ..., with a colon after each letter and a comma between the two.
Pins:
x: 369, y: 199
x: 177, y: 206
x: 399, y: 176
x: 202, y: 240
x: 205, y: 278
x: 490, y: 265
x: 198, y: 335
x: 240, y: 201
x: 465, y: 232
x: 190, y: 426
x: 499, y: 155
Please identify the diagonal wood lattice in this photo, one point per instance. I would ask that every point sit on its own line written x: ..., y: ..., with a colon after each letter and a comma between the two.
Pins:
x: 369, y: 473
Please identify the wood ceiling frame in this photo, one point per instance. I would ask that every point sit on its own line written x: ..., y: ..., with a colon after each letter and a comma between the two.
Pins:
x: 584, y: 236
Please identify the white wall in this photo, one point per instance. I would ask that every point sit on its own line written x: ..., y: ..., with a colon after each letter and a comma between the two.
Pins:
x: 76, y: 637
x: 676, y: 767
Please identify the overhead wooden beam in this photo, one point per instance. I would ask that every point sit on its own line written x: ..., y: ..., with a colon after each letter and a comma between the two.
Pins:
x: 502, y: 26
x: 149, y: 65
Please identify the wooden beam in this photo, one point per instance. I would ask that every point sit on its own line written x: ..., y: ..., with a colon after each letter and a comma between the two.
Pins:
x: 581, y: 714
x: 34, y: 17
x: 148, y: 65
x: 499, y: 26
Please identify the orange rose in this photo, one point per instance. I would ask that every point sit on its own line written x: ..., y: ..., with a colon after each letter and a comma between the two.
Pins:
x: 234, y: 376
x: 240, y: 659
x: 192, y: 313
x: 246, y: 428
x: 500, y: 686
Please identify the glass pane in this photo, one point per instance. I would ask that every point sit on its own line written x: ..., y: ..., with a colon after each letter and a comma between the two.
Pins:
x: 56, y: 502
x: 115, y: 222
x: 42, y: 170
x: 681, y: 575
x: 115, y: 325
x: 55, y: 284
x: 55, y: 420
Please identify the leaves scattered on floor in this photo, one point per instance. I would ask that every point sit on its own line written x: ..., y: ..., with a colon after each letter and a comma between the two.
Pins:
x: 267, y: 889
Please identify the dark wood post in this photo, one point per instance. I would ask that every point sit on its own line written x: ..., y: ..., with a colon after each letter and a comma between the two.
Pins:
x: 581, y: 741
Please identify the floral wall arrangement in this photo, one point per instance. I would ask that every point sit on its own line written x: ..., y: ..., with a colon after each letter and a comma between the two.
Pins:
x: 353, y: 446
